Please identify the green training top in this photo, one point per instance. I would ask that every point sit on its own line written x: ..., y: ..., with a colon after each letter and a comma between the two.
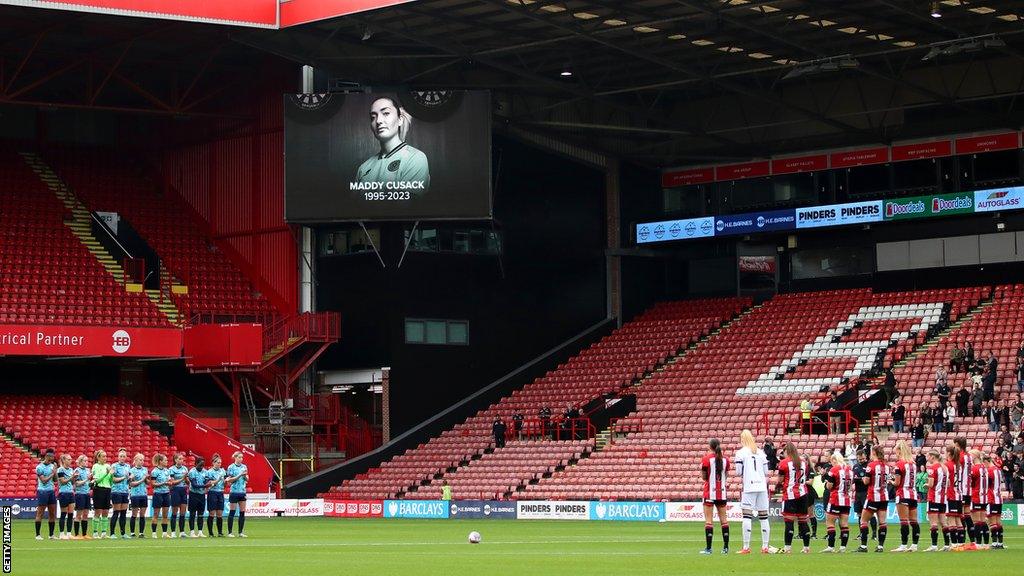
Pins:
x: 102, y: 475
x: 446, y: 492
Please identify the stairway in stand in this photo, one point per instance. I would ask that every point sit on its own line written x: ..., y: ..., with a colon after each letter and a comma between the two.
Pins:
x: 81, y: 226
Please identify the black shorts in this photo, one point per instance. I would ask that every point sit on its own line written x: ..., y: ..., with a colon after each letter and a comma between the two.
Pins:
x: 954, y: 507
x: 101, y: 498
x: 82, y: 502
x: 910, y: 504
x: 179, y: 496
x: 877, y: 505
x: 936, y: 508
x: 119, y: 497
x: 977, y: 507
x: 215, y: 501
x: 795, y: 507
x: 995, y: 509
x: 236, y: 497
x: 65, y: 499
x: 859, y: 500
x: 836, y: 510
x: 161, y: 500
x: 139, y: 502
x: 196, y: 502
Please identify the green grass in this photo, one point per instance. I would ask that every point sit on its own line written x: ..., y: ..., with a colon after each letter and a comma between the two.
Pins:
x: 318, y: 546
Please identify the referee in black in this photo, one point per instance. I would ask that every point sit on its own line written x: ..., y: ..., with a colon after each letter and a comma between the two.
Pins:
x: 860, y: 470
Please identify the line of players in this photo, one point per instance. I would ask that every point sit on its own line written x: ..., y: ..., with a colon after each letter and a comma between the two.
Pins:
x: 964, y: 497
x: 105, y: 486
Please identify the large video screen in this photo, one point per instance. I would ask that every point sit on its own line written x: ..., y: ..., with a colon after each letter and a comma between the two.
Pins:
x: 387, y: 156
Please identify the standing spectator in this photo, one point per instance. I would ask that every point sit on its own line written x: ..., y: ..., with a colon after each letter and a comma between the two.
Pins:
x: 771, y: 453
x: 938, y: 419
x: 1020, y: 375
x: 920, y: 459
x: 956, y: 358
x: 1016, y: 414
x: 963, y: 398
x: 942, y: 391
x: 1006, y: 439
x: 851, y: 454
x: 977, y: 400
x: 918, y: 433
x: 806, y: 408
x: 969, y: 356
x: 545, y: 421
x: 925, y: 413
x: 899, y: 417
x: 992, y: 363
x: 889, y: 387
x: 498, y: 429
x: 1004, y: 415
x: 992, y: 416
x: 940, y: 377
x: 517, y: 424
x: 1009, y: 466
x: 1018, y: 481
x: 950, y: 415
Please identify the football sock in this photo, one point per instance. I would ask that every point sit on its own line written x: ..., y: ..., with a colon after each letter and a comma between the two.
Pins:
x: 766, y: 529
x: 805, y: 533
x: 831, y: 536
x: 748, y: 522
x: 709, y: 530
x: 904, y: 532
x: 863, y: 534
x: 725, y: 529
x: 241, y: 527
x: 131, y: 524
x: 935, y: 536
x: 915, y: 532
x: 51, y: 524
x: 220, y: 525
x: 844, y: 536
x: 882, y: 531
x: 788, y: 539
x: 181, y: 521
x: 231, y: 526
x: 945, y: 536
x: 39, y: 526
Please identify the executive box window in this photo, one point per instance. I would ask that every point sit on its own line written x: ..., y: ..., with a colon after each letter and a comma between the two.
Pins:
x: 439, y: 332
x: 863, y: 180
x: 683, y: 201
x: 916, y: 175
x: 458, y: 240
x: 341, y: 242
x: 991, y: 168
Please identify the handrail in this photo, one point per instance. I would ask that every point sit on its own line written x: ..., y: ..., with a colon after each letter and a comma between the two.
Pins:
x: 103, y: 225
x: 160, y: 399
x: 787, y: 419
x: 560, y: 428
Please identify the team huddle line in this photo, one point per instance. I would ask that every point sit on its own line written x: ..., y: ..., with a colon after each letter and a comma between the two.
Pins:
x: 118, y: 486
x: 964, y: 498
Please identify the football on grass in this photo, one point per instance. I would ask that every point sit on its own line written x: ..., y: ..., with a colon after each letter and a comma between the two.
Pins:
x: 474, y: 537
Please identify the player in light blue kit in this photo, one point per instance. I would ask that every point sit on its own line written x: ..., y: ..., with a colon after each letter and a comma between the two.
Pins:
x: 119, y: 492
x: 83, y: 474
x: 137, y: 493
x: 179, y: 495
x: 215, y: 497
x: 197, y: 486
x: 66, y: 496
x: 158, y: 479
x: 45, y: 498
x: 238, y: 477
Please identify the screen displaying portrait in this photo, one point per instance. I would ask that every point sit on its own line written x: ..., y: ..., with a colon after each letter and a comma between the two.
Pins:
x: 387, y: 156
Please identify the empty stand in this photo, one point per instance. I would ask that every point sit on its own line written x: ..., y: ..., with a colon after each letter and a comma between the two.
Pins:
x: 608, y: 366
x: 46, y: 275
x: 17, y: 471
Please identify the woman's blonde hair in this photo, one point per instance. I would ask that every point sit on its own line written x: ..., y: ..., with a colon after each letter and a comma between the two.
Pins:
x: 139, y: 456
x: 81, y: 458
x: 747, y: 440
x: 237, y: 454
x: 96, y: 455
x: 838, y: 459
x: 65, y: 456
x: 903, y: 451
x: 159, y: 459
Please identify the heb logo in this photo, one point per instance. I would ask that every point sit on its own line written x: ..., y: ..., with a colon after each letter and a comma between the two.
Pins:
x: 122, y: 342
x: 897, y: 209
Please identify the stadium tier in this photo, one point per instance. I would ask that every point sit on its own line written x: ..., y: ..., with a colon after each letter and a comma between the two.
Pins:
x: 614, y: 362
x: 215, y: 285
x: 72, y: 426
x: 47, y: 274
x: 760, y: 364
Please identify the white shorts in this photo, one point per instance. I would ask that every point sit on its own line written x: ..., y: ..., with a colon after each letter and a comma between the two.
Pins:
x: 756, y: 501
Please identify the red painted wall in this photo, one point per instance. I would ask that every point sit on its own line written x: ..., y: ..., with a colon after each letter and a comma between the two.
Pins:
x: 234, y: 181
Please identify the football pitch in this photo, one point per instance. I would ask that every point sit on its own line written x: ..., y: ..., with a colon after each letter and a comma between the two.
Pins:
x: 315, y: 546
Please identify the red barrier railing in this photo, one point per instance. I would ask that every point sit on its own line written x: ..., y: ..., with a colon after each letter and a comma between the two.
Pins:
x: 355, y: 434
x: 160, y: 400
x: 318, y: 326
x: 820, y: 422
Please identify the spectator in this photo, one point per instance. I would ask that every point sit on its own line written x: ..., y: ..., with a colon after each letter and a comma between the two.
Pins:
x: 950, y: 415
x: 921, y: 482
x: 942, y: 391
x: 969, y: 355
x: 940, y: 377
x: 1004, y: 415
x: 1018, y: 481
x: 889, y: 387
x: 850, y: 453
x: 938, y: 419
x: 1020, y: 374
x: 920, y: 460
x: 977, y: 400
x: 498, y: 429
x: 925, y: 416
x: 963, y: 398
x: 918, y: 433
x: 992, y: 363
x: 1005, y: 438
x: 517, y: 424
x: 1016, y: 414
x: 806, y: 408
x: 835, y: 417
x: 956, y: 359
x: 545, y: 421
x: 771, y: 453
x: 899, y: 417
x: 1010, y: 467
x: 992, y: 416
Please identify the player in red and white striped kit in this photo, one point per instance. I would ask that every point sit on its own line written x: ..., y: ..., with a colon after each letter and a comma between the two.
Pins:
x: 792, y: 483
x: 938, y: 484
x: 995, y: 503
x: 714, y: 469
x: 840, y: 485
x: 903, y: 475
x: 954, y: 500
x: 964, y: 468
x: 979, y: 499
x: 877, y: 506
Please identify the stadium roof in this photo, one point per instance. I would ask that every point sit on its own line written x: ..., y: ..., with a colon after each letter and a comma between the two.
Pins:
x: 661, y: 82
x: 669, y: 82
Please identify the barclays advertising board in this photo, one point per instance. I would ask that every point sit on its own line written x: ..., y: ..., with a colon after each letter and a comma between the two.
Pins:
x: 628, y: 511
x: 416, y: 509
x: 476, y: 509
